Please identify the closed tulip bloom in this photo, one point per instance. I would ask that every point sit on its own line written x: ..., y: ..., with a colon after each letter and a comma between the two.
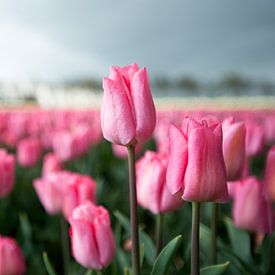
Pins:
x: 251, y: 211
x: 152, y: 190
x: 254, y: 142
x: 11, y: 258
x: 7, y: 164
x: 196, y: 168
x: 77, y: 191
x: 128, y: 113
x: 29, y: 151
x: 270, y: 174
x: 49, y: 189
x: 51, y: 163
x: 93, y: 243
x: 233, y: 148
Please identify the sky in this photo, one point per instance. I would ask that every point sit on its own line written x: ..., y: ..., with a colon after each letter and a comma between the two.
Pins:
x: 58, y: 40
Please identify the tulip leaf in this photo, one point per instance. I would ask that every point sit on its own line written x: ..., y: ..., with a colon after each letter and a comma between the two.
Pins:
x: 163, y: 261
x: 218, y: 269
x: 266, y: 253
x: 141, y: 254
x: 149, y: 248
x: 240, y: 241
x: 48, y: 264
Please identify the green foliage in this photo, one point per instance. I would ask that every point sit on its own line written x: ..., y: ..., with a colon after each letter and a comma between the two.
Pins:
x: 164, y: 259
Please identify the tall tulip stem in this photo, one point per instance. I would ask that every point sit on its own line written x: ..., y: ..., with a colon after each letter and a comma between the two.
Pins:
x: 133, y: 211
x: 195, y: 246
x: 214, y: 218
x: 65, y: 245
x: 159, y: 227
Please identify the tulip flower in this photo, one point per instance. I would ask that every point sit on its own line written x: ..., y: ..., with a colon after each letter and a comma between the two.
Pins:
x: 77, y: 191
x: 7, y: 173
x: 51, y: 163
x: 93, y: 243
x: 251, y: 211
x: 254, y: 142
x: 29, y: 151
x: 128, y: 114
x: 233, y: 148
x: 270, y: 174
x: 152, y: 191
x: 196, y: 168
x: 49, y: 189
x: 11, y: 258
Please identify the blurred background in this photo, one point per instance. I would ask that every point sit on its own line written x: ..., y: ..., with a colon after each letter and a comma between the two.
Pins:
x: 56, y: 52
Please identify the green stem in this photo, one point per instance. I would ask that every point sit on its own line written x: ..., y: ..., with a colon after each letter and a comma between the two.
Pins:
x: 159, y: 225
x: 213, y: 255
x: 99, y: 272
x: 65, y: 245
x: 195, y: 246
x: 133, y: 211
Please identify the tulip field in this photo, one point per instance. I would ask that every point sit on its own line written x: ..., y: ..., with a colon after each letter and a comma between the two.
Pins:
x: 204, y: 181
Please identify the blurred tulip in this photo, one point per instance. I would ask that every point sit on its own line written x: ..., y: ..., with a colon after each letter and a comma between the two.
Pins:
x: 78, y: 190
x: 233, y: 148
x: 152, y: 190
x: 29, y: 152
x: 7, y: 173
x: 11, y: 258
x: 51, y: 163
x: 128, y: 113
x: 254, y: 142
x: 251, y: 211
x: 196, y: 166
x: 49, y: 189
x: 270, y: 174
x: 93, y: 243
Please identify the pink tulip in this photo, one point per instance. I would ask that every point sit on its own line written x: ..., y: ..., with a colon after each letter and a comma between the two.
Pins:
x: 128, y: 113
x: 49, y: 189
x: 7, y: 173
x: 196, y: 168
x: 233, y: 148
x: 152, y: 190
x: 79, y: 190
x: 270, y: 174
x: 29, y: 152
x: 93, y: 243
x: 254, y: 142
x: 251, y: 211
x: 11, y: 258
x: 51, y: 163
x: 64, y: 145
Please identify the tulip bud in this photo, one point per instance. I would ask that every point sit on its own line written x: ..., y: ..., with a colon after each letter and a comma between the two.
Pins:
x: 51, y: 163
x: 128, y: 113
x: 270, y: 174
x: 29, y: 152
x: 11, y: 258
x: 233, y: 148
x: 7, y: 163
x: 196, y: 168
x: 49, y: 189
x: 251, y: 211
x: 77, y: 191
x: 152, y: 190
x: 93, y: 243
x: 254, y: 142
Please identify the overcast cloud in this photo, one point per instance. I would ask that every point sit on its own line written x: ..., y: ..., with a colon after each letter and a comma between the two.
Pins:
x: 59, y: 39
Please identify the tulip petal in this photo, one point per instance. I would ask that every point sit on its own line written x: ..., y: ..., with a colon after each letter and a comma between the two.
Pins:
x: 116, y: 116
x: 84, y: 246
x: 177, y: 160
x: 145, y: 111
